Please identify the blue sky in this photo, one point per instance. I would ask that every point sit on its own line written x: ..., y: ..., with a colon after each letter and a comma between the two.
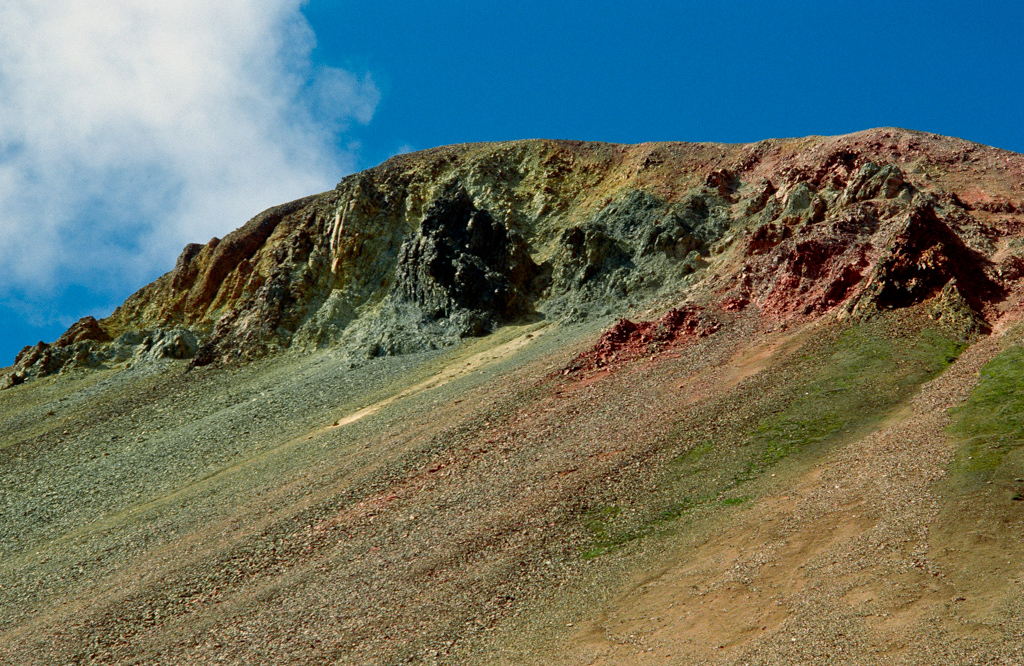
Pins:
x: 640, y: 71
x: 128, y: 131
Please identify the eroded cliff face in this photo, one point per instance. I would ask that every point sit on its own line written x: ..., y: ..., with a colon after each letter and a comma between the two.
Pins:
x: 432, y: 247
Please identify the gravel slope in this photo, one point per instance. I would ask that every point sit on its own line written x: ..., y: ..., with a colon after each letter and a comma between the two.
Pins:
x: 481, y: 506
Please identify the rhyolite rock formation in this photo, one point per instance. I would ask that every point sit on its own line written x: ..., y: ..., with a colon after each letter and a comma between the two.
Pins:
x: 435, y: 246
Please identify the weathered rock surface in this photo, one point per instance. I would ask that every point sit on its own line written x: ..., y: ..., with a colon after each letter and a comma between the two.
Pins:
x: 86, y: 328
x: 73, y: 351
x: 432, y: 247
x: 627, y: 340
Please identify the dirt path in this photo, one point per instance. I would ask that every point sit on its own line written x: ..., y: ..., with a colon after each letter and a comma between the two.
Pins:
x: 458, y: 368
x: 835, y: 569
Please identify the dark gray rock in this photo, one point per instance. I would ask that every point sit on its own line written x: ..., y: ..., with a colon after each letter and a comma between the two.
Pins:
x: 177, y: 344
x: 463, y: 260
x: 633, y: 247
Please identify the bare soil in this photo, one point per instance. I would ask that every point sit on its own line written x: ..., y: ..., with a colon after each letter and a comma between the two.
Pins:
x: 480, y: 506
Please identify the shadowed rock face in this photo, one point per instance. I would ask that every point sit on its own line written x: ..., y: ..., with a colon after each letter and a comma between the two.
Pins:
x: 432, y: 247
x: 463, y: 259
x: 925, y: 256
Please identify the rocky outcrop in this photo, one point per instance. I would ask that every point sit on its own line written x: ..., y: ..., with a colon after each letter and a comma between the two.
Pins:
x: 74, y: 351
x: 432, y: 247
x: 862, y: 239
x: 86, y: 328
x: 633, y: 247
x: 627, y: 340
x: 464, y: 265
x: 923, y: 258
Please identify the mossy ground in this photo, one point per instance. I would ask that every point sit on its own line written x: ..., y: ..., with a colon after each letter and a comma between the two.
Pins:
x: 990, y: 425
x: 838, y: 385
x: 977, y: 534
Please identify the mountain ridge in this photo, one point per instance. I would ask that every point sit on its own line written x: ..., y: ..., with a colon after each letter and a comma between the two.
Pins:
x: 251, y: 293
x: 548, y: 403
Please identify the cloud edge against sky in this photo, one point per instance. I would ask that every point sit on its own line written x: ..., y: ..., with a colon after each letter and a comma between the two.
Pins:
x: 128, y: 129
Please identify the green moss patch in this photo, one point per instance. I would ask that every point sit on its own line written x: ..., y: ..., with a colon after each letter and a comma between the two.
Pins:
x: 838, y: 386
x: 990, y: 424
x: 859, y: 381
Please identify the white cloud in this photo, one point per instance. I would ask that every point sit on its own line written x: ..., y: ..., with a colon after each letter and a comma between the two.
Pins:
x: 130, y: 127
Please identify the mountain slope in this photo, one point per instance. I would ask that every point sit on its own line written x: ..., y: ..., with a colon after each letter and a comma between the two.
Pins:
x: 403, y: 420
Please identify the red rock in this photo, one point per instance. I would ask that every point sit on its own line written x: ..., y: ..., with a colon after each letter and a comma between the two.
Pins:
x: 86, y: 328
x: 626, y: 341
